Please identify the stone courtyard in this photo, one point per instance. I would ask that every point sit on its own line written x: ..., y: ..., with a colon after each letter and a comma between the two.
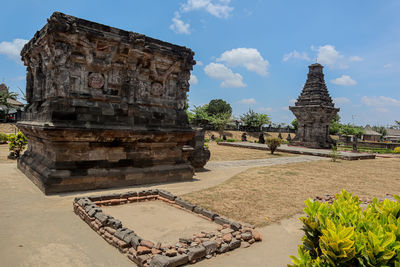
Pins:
x: 54, y: 233
x: 118, y: 171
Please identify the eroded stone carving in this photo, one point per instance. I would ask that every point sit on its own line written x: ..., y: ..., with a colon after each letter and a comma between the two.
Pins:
x: 314, y: 111
x: 105, y: 107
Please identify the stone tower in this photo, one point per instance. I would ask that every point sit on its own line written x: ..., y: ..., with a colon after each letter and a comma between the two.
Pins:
x: 314, y: 111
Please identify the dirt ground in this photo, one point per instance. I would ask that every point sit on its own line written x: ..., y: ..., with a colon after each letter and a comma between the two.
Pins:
x: 224, y: 153
x: 4, y: 153
x: 278, y: 192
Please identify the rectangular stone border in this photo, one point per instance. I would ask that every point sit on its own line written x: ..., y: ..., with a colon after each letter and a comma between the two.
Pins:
x: 228, y: 236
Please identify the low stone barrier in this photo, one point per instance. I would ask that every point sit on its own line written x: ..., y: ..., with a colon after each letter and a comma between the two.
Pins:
x: 228, y: 236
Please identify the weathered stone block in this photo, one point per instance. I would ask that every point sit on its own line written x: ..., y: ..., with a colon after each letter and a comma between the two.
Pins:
x: 221, y: 220
x: 105, y: 107
x: 185, y: 204
x: 208, y: 214
x: 196, y: 253
x: 210, y: 246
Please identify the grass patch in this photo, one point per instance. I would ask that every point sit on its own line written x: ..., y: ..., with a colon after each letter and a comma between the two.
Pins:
x: 279, y: 191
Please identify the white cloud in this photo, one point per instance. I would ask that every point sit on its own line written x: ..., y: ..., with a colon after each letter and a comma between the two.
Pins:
x: 193, y: 79
x: 13, y: 49
x: 178, y: 26
x: 341, y: 100
x: 382, y: 110
x: 380, y: 101
x: 219, y: 9
x: 199, y: 63
x: 327, y: 55
x: 249, y: 58
x: 296, y: 55
x: 221, y: 72
x: 248, y: 101
x: 267, y: 109
x: 356, y: 58
x: 344, y: 80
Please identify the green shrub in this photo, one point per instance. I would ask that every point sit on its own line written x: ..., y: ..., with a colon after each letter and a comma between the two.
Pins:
x: 3, y: 138
x: 230, y: 140
x: 273, y: 143
x: 343, y: 234
x: 206, y: 140
x: 397, y: 150
x: 17, y: 143
x: 334, y: 153
x: 206, y: 146
x: 219, y: 140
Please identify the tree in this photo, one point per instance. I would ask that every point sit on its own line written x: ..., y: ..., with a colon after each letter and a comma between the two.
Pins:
x: 334, y: 128
x: 219, y: 106
x: 255, y: 120
x: 199, y: 115
x: 5, y: 95
x: 397, y: 124
x: 295, y: 123
x: 220, y: 121
x: 348, y: 129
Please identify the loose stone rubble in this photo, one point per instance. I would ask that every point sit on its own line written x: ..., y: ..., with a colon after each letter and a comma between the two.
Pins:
x: 105, y: 108
x: 204, y: 245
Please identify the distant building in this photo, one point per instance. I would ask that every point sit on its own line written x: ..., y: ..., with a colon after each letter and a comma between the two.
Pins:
x: 9, y: 112
x: 370, y: 135
x: 393, y: 135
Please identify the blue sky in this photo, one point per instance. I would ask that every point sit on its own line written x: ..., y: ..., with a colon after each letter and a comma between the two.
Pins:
x: 253, y: 54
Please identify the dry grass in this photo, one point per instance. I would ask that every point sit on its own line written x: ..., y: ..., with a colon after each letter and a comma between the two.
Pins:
x: 223, y: 153
x: 279, y: 192
x: 8, y: 128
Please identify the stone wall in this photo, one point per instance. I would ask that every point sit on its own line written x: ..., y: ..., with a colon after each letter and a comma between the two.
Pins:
x: 228, y: 236
x: 105, y: 107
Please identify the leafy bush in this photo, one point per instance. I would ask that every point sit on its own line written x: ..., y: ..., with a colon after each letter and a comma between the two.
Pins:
x: 230, y: 140
x: 206, y: 140
x: 3, y: 138
x: 206, y: 146
x: 343, y: 234
x: 397, y: 150
x: 273, y: 143
x: 17, y: 143
x: 219, y: 140
x: 334, y: 153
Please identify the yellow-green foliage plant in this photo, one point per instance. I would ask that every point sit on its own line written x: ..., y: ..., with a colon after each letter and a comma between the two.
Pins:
x: 343, y: 234
x: 17, y: 143
x: 397, y: 150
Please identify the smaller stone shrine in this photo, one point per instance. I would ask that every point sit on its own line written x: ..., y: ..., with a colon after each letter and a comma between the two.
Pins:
x: 314, y: 111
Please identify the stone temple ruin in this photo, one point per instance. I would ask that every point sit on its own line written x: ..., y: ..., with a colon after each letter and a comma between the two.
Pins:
x: 314, y: 111
x: 105, y: 108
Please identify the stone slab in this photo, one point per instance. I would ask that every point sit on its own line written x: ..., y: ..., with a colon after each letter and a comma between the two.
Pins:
x: 302, y: 150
